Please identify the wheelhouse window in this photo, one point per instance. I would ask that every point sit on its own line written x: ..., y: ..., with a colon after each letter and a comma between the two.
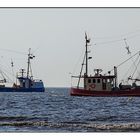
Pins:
x: 104, y: 80
x: 98, y: 80
x: 94, y: 80
x: 108, y: 80
x: 89, y: 80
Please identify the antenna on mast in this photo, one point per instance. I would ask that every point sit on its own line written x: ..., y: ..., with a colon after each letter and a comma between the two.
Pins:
x: 12, y: 65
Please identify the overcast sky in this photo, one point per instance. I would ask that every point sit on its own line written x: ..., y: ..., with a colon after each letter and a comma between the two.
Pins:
x: 56, y: 36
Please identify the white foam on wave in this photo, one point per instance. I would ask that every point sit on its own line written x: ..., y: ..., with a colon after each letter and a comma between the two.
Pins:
x: 110, y: 127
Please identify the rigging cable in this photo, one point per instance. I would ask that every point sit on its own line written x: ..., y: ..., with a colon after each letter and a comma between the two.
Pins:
x: 75, y: 66
x: 130, y: 68
x: 13, y: 51
x: 128, y: 34
x: 117, y: 40
x: 129, y: 53
x: 126, y: 60
x: 136, y: 68
x: 81, y: 71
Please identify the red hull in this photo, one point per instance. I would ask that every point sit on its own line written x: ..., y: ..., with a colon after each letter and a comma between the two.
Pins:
x: 119, y: 93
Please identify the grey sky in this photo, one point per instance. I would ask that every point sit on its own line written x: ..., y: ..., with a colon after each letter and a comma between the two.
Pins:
x: 56, y: 37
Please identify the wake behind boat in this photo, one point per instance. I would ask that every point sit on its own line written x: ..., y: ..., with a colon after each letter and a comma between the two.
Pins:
x: 24, y: 81
x: 104, y: 85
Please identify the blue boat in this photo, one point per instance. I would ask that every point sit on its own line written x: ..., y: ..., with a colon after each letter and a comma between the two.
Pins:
x: 24, y: 81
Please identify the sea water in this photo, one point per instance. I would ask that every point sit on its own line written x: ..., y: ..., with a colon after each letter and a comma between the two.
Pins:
x: 56, y: 111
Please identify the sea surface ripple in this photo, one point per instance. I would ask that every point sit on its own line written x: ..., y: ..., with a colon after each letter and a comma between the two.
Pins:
x: 56, y: 111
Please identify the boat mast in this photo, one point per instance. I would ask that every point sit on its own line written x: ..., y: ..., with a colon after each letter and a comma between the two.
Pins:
x: 81, y: 72
x: 116, y: 76
x: 87, y: 41
x: 86, y: 63
x: 30, y: 56
x: 28, y: 66
x: 12, y: 65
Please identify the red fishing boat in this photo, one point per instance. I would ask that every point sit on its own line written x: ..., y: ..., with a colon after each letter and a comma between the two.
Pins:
x: 104, y: 85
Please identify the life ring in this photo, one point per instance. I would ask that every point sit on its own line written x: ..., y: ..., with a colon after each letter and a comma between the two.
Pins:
x: 92, y: 86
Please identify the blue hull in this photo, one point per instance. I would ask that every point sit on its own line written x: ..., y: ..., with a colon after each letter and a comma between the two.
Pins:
x: 10, y: 89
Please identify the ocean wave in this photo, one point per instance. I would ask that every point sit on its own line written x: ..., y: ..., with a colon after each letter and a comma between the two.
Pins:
x: 75, y: 126
x: 123, y: 127
x: 21, y: 118
x: 24, y: 123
